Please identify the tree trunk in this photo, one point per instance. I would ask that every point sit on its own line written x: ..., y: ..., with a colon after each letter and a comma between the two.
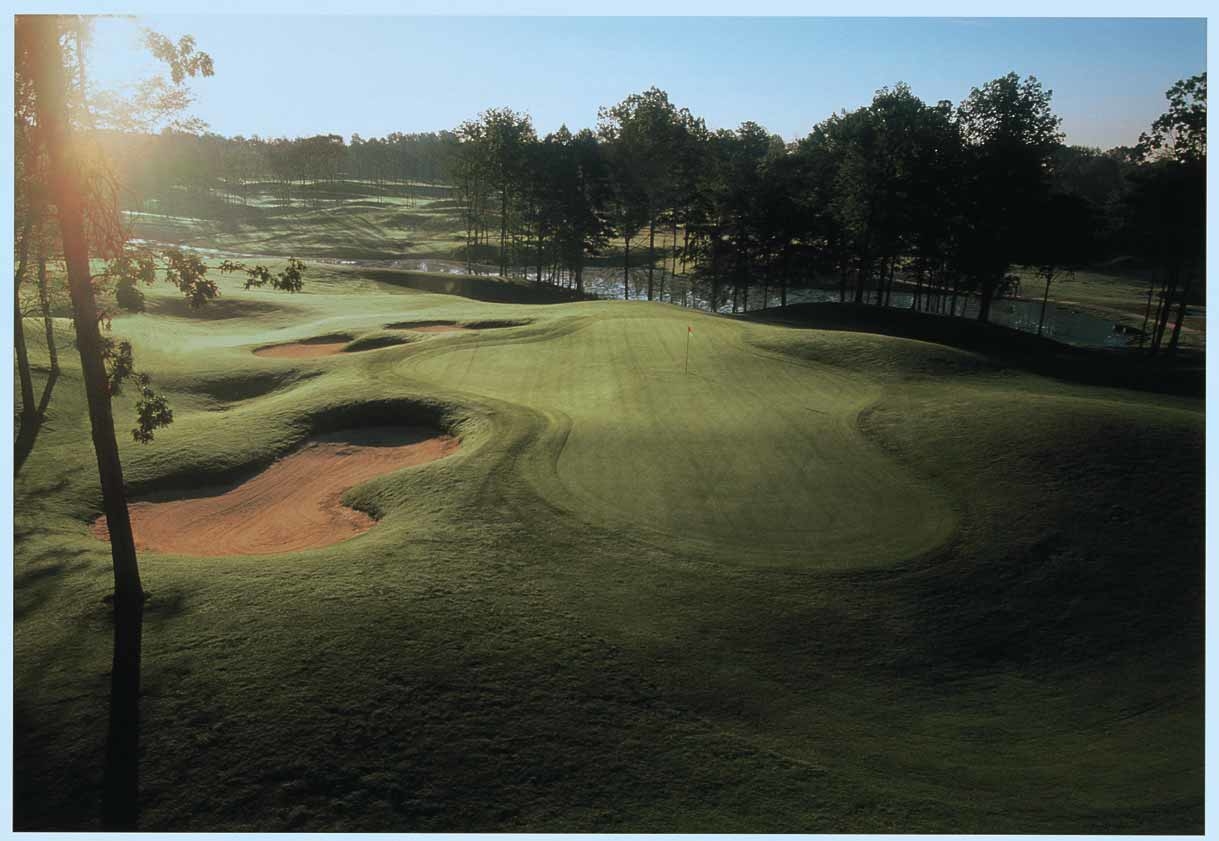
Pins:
x: 23, y: 357
x: 503, y: 232
x: 651, y: 253
x: 1170, y: 297
x: 1146, y: 317
x: 673, y: 273
x: 539, y: 268
x: 1044, y: 300
x: 1165, y: 310
x: 988, y: 293
x: 120, y: 804
x: 626, y: 271
x: 687, y: 288
x: 1176, y: 330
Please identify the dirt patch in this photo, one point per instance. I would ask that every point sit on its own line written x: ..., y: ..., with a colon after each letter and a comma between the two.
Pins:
x: 294, y: 504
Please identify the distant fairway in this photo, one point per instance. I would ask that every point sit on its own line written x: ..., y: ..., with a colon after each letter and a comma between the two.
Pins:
x: 825, y: 582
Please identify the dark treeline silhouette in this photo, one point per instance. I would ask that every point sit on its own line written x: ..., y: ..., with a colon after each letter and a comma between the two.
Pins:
x: 938, y: 200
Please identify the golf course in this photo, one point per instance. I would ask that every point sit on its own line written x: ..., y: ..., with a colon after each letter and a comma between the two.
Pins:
x: 818, y: 580
x: 608, y: 466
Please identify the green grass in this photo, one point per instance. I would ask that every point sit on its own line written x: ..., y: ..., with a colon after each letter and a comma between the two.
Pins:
x: 341, y: 221
x: 1121, y: 296
x: 825, y: 582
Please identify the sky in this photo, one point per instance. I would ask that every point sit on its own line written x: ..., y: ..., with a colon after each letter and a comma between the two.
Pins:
x: 371, y: 75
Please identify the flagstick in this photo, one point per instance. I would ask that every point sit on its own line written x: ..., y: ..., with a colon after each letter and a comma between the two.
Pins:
x: 688, y: 332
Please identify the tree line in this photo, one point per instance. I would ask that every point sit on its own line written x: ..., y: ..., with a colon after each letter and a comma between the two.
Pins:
x: 939, y: 200
x: 238, y: 169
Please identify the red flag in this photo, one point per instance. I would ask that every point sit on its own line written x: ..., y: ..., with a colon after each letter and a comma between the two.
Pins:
x: 689, y: 329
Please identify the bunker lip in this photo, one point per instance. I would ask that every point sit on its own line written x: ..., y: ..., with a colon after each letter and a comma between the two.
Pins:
x: 452, y: 326
x: 428, y: 326
x: 294, y: 504
x: 327, y: 345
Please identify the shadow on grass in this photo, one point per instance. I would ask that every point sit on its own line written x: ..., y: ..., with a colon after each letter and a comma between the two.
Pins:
x: 30, y: 424
x: 1119, y: 368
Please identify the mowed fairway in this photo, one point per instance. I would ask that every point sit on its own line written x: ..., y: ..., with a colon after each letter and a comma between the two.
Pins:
x: 824, y: 582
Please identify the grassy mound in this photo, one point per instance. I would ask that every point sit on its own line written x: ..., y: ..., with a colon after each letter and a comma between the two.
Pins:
x: 1116, y: 368
x: 375, y: 341
x: 484, y: 324
x: 224, y: 389
x: 479, y: 288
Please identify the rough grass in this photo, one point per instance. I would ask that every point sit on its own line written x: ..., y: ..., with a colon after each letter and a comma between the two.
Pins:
x: 824, y: 582
x: 344, y: 220
x: 1109, y: 293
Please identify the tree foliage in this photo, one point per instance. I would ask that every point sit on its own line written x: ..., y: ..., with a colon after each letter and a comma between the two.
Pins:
x: 900, y: 193
x: 1179, y: 134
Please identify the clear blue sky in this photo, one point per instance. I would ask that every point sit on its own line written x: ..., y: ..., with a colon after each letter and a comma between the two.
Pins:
x: 301, y: 75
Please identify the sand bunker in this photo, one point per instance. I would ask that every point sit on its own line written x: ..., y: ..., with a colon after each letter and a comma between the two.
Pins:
x: 294, y: 504
x: 319, y: 346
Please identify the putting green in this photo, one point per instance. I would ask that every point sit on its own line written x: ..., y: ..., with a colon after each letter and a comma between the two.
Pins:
x: 749, y: 451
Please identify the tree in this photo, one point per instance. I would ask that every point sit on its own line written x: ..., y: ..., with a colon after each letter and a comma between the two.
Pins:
x: 1011, y: 135
x: 1062, y: 239
x: 1179, y: 134
x: 83, y: 200
x: 500, y: 137
x: 729, y: 229
x: 1167, y: 202
x: 565, y: 196
x: 41, y: 37
x: 647, y: 132
x: 843, y: 155
x: 626, y: 207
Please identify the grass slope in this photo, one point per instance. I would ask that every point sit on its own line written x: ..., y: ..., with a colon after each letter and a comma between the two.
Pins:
x: 826, y: 582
